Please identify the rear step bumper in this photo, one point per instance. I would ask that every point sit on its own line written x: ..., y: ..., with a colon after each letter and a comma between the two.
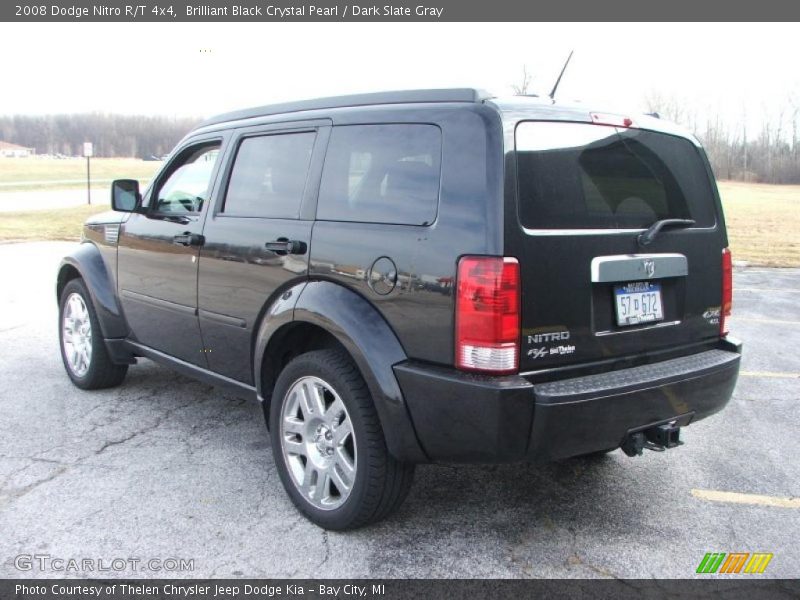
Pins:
x: 466, y: 418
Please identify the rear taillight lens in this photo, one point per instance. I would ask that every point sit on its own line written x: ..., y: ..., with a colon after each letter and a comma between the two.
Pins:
x: 487, y: 314
x: 727, y: 292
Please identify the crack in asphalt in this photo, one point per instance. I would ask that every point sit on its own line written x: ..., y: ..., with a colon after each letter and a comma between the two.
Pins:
x: 16, y: 493
x: 574, y: 558
x: 577, y: 560
x: 19, y: 492
x: 327, y: 548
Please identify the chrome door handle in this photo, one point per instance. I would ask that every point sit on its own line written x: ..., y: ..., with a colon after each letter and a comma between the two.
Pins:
x: 283, y: 246
x: 188, y: 239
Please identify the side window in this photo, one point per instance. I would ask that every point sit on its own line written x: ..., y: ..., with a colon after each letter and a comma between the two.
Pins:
x: 269, y: 176
x: 382, y: 174
x: 188, y: 185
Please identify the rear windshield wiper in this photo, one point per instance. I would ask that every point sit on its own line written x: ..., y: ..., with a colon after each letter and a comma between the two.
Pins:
x: 648, y: 236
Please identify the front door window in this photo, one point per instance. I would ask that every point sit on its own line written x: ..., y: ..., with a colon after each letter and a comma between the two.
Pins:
x: 188, y: 186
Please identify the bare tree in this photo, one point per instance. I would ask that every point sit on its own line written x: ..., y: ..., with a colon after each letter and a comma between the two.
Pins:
x: 794, y: 117
x: 771, y: 155
x: 522, y: 88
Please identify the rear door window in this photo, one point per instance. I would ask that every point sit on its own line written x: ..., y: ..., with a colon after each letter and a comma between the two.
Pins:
x: 269, y: 176
x: 585, y: 176
x: 382, y: 174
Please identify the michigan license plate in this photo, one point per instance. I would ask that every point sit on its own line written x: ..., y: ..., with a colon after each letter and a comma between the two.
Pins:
x: 638, y: 302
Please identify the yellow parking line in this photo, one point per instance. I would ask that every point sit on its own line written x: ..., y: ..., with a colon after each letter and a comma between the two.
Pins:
x: 755, y: 499
x: 769, y: 374
x: 756, y: 320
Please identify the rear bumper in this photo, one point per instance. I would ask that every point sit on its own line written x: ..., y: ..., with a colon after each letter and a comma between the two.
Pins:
x: 467, y: 418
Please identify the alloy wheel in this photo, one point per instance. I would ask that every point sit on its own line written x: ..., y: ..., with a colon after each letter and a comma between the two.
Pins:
x: 77, y: 335
x: 318, y: 443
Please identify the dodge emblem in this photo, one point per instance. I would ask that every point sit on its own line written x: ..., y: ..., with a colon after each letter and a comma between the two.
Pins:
x: 649, y: 266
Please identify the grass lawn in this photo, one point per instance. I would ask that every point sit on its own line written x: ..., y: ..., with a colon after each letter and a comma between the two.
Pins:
x: 763, y: 223
x: 22, y: 174
x: 57, y: 224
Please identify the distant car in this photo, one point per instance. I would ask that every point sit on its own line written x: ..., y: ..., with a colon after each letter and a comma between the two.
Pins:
x: 152, y: 157
x: 419, y: 276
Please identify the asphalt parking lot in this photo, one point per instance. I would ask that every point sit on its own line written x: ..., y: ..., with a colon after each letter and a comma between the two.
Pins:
x: 165, y: 467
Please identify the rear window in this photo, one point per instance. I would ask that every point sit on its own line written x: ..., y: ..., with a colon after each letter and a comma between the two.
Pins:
x: 382, y: 174
x: 582, y: 176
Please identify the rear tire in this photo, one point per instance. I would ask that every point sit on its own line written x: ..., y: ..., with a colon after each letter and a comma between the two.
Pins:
x: 83, y: 350
x: 328, y: 444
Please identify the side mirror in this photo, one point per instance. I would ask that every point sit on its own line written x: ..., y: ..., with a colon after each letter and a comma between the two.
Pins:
x: 125, y: 195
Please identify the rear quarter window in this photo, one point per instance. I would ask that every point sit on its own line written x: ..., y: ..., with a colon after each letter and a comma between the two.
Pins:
x: 585, y: 176
x: 382, y: 174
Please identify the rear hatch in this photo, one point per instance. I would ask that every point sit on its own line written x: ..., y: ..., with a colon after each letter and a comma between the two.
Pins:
x: 590, y: 290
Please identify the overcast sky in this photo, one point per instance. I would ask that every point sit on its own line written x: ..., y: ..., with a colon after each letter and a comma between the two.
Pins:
x: 203, y: 69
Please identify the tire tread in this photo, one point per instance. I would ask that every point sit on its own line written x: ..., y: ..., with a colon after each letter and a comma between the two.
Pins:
x: 388, y: 480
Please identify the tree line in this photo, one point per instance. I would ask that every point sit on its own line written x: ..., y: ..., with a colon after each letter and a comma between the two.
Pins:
x: 111, y: 135
x: 769, y: 153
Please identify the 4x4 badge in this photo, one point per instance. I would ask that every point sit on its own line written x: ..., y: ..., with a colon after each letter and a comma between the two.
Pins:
x: 649, y: 266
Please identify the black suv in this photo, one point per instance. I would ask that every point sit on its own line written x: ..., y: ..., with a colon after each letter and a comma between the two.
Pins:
x: 419, y: 276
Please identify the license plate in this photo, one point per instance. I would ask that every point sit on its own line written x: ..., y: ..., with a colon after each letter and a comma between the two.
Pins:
x: 638, y: 302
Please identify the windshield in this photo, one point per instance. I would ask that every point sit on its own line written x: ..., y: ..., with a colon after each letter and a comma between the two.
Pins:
x: 586, y: 176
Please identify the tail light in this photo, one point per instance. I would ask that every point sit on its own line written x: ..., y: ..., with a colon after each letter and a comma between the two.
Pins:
x: 487, y: 314
x: 727, y: 292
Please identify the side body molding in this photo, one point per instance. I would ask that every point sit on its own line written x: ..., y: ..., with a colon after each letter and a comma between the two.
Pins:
x: 363, y: 332
x: 87, y: 260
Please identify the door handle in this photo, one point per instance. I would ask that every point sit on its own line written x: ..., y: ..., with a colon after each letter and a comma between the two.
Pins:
x: 283, y: 246
x: 188, y: 239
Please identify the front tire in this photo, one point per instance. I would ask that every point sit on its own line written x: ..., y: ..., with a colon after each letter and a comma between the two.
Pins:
x: 83, y: 350
x: 328, y: 444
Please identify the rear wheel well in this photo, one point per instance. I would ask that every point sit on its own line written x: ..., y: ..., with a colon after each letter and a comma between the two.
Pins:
x: 65, y: 275
x: 288, y: 342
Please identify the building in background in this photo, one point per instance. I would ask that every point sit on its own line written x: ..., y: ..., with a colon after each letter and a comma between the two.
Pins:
x: 8, y: 150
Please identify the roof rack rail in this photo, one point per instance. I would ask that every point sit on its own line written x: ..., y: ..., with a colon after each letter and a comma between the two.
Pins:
x: 398, y: 97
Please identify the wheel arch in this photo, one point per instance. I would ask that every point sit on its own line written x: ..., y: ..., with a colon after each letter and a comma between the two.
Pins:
x: 66, y: 273
x: 87, y: 263
x: 323, y: 314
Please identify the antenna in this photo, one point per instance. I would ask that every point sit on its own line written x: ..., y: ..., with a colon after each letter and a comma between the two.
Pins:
x: 564, y: 68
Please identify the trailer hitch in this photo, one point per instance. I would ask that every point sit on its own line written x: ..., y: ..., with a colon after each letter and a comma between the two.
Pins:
x: 657, y: 438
